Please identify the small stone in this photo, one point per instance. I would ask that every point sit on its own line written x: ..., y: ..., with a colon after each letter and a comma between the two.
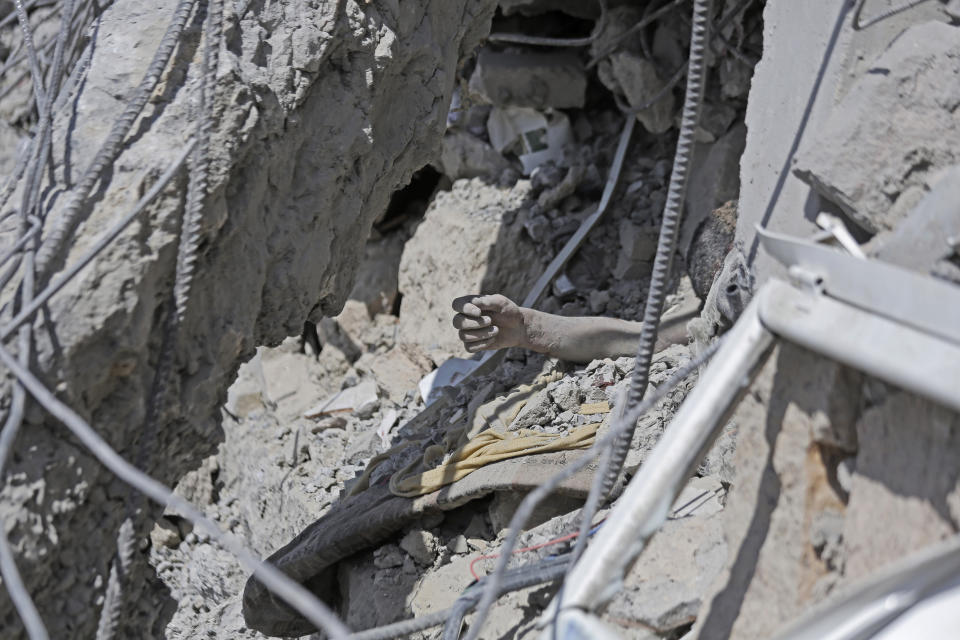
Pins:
x: 165, y: 534
x: 845, y: 473
x: 459, y: 545
x: 537, y: 227
x: 566, y: 395
x: 598, y: 301
x: 421, y: 545
x: 625, y: 366
x: 564, y: 288
x: 477, y: 544
x: 387, y: 556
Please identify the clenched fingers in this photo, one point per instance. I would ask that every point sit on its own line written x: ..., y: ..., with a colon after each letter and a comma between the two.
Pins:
x: 466, y: 306
x: 473, y: 347
x: 477, y: 335
x: 469, y: 323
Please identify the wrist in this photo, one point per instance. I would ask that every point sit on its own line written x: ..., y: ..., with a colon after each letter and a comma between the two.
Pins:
x: 531, y: 335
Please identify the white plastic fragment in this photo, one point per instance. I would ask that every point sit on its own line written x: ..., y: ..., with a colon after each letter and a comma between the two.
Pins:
x: 355, y: 399
x: 449, y: 373
x: 535, y: 137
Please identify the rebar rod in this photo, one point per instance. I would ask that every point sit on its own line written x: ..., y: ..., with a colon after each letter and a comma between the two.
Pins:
x: 295, y: 594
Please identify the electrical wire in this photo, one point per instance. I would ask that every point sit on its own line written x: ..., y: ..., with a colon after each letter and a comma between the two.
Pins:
x: 549, y: 543
x: 523, y: 513
x: 292, y: 592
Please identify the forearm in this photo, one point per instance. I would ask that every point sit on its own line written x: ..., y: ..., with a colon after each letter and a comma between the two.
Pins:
x: 580, y: 339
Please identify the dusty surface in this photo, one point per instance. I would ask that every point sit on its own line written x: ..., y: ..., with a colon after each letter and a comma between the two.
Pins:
x: 332, y: 103
x: 323, y: 111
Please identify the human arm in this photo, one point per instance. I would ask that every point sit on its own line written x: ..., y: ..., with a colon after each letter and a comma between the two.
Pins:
x: 496, y: 322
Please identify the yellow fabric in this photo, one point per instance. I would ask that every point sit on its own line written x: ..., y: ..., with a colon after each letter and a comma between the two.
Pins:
x: 486, y: 448
x: 593, y: 408
x: 482, y: 441
x: 363, y: 482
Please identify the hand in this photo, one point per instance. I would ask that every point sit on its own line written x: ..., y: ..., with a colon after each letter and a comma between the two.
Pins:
x: 489, y: 322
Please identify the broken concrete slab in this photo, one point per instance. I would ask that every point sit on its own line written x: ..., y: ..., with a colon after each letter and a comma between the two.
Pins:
x: 666, y: 587
x: 538, y: 80
x: 898, y: 123
x: 463, y: 155
x: 468, y: 242
x: 638, y: 247
x: 783, y: 484
x: 906, y: 476
x: 398, y: 371
x: 636, y: 79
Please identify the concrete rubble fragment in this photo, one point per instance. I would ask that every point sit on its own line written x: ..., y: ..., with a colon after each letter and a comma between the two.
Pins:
x: 537, y: 80
x: 463, y: 155
x: 876, y: 180
x: 361, y: 399
x: 637, y: 80
x: 467, y: 242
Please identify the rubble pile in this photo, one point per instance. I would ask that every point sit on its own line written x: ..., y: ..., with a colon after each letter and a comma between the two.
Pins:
x: 503, y: 120
x: 302, y: 426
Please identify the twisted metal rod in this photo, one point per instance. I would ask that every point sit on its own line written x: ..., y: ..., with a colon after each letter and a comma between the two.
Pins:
x: 12, y: 579
x: 102, y: 242
x: 111, y: 147
x: 19, y: 244
x: 627, y: 419
x: 31, y: 52
x: 669, y: 228
x: 186, y: 262
x: 293, y: 593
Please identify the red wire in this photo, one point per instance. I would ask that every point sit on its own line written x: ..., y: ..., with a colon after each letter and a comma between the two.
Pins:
x: 569, y: 536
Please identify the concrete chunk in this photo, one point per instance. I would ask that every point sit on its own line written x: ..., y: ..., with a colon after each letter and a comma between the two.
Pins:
x: 899, y: 123
x: 538, y: 80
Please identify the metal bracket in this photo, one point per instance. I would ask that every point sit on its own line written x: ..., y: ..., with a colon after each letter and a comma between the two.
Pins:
x: 909, y: 298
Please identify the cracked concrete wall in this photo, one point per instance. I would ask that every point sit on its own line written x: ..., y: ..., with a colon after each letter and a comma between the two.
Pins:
x: 837, y: 474
x: 323, y: 110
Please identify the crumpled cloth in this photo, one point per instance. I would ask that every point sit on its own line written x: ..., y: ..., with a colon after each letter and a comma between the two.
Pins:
x: 485, y: 440
x: 485, y: 448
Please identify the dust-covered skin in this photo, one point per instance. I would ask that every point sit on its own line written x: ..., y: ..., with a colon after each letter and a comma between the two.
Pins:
x: 496, y: 322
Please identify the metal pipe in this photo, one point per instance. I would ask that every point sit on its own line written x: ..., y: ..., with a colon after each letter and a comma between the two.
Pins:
x: 646, y: 502
x: 901, y: 355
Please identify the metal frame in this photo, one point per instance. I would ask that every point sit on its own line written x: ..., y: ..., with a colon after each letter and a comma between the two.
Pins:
x: 836, y: 308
